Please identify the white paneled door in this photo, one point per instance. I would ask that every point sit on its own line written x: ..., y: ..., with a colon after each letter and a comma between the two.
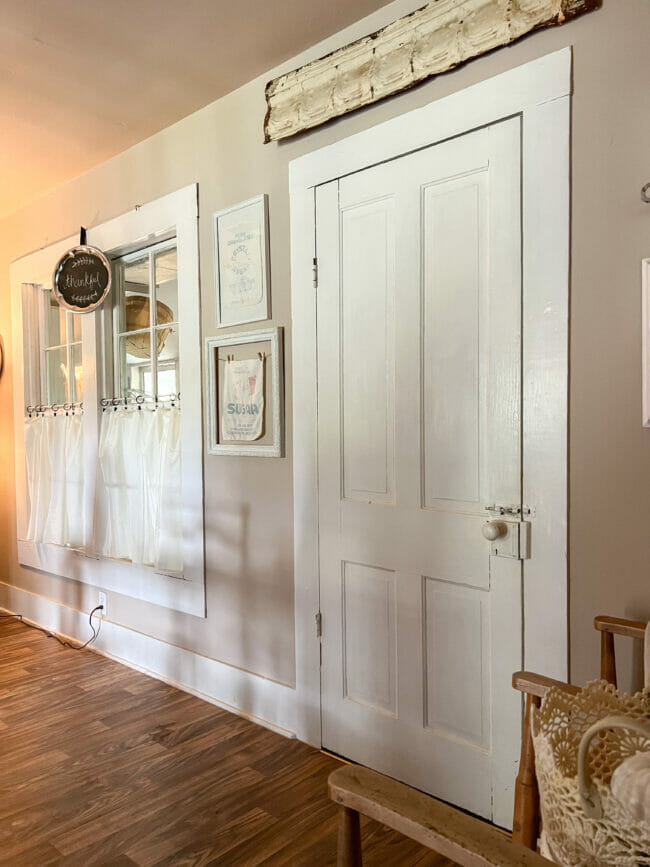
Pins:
x: 419, y: 429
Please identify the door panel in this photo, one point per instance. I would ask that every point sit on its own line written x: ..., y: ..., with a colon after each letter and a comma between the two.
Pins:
x: 369, y: 609
x: 419, y: 369
x: 454, y: 251
x: 450, y: 611
x: 367, y: 347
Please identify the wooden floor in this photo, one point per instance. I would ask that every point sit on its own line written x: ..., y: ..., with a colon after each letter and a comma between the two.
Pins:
x: 102, y: 765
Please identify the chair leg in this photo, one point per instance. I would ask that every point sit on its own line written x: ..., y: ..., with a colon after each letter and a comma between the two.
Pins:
x: 607, y: 657
x: 525, y: 828
x: 349, y: 844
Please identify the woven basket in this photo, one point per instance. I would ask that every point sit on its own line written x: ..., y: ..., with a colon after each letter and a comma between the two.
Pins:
x: 136, y: 311
x: 579, y: 742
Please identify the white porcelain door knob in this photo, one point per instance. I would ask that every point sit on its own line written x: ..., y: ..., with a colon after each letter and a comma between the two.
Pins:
x: 493, y: 530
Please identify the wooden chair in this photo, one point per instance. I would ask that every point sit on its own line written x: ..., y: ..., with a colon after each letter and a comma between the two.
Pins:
x: 468, y: 841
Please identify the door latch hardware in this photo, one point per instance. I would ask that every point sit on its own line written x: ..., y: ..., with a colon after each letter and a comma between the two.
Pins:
x: 508, y: 510
x: 514, y: 543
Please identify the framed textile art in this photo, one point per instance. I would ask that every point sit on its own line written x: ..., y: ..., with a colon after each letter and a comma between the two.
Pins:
x: 246, y: 393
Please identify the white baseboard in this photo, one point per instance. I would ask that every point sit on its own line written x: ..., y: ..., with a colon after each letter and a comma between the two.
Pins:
x: 263, y: 701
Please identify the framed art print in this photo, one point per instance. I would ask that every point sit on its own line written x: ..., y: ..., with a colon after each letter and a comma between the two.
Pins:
x: 241, y: 255
x: 246, y: 393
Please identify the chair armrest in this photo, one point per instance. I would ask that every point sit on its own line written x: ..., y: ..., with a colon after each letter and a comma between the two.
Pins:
x: 620, y: 626
x: 465, y: 840
x: 538, y: 685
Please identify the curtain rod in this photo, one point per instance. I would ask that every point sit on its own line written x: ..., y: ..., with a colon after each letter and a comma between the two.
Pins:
x: 42, y: 408
x: 139, y: 401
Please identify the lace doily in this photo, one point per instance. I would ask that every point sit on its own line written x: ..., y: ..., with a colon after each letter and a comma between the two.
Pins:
x: 572, y: 838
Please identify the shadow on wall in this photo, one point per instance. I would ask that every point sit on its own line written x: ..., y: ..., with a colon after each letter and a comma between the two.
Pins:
x: 242, y: 592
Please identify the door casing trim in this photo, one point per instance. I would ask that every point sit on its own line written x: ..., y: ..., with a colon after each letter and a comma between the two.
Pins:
x: 540, y: 93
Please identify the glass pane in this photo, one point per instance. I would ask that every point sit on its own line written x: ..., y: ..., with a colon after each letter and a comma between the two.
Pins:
x: 168, y: 365
x: 78, y: 382
x: 55, y: 325
x: 166, y: 287
x: 135, y: 367
x: 76, y: 326
x: 56, y: 366
x: 134, y: 313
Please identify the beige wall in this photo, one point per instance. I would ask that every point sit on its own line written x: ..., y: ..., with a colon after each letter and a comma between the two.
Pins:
x: 250, y: 586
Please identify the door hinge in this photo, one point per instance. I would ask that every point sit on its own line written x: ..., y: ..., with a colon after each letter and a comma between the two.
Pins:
x: 315, y: 272
x: 319, y: 625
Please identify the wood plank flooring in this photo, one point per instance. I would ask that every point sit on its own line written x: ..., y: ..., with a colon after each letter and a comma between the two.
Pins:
x: 101, y: 765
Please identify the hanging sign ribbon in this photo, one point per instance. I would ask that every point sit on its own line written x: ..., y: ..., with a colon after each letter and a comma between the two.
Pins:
x: 82, y: 278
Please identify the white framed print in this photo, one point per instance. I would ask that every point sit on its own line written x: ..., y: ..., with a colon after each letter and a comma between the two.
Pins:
x: 645, y: 332
x: 241, y: 260
x: 246, y: 393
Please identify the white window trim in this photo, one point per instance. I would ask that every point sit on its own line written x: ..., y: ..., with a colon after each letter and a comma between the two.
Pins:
x: 645, y: 319
x: 173, y: 215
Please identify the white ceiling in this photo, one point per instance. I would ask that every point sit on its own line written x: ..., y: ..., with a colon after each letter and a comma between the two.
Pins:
x: 82, y: 80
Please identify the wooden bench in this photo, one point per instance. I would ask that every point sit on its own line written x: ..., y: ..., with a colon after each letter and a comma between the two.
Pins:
x: 452, y: 833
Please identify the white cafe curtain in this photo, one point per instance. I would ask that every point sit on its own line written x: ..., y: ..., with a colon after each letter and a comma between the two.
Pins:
x: 139, y: 514
x: 55, y: 480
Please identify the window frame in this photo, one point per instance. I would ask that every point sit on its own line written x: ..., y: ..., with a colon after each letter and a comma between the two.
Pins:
x: 172, y: 216
x: 68, y: 344
x: 152, y: 252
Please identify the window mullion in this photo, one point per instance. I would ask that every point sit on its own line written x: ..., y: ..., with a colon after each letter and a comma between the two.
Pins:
x: 135, y: 333
x: 69, y: 387
x: 71, y: 390
x: 117, y: 358
x: 152, y: 323
x: 42, y: 337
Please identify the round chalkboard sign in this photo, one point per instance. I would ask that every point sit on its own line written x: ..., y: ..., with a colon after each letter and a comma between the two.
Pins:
x: 82, y: 279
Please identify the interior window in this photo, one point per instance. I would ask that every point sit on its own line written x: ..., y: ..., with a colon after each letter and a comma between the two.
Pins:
x: 146, y: 323
x: 130, y: 349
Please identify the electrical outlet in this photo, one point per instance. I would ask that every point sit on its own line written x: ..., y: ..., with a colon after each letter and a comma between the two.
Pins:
x: 103, y: 600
